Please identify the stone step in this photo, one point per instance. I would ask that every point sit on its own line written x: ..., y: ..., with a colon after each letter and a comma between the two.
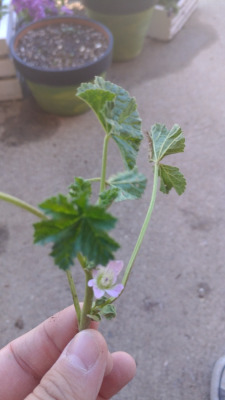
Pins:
x: 10, y: 88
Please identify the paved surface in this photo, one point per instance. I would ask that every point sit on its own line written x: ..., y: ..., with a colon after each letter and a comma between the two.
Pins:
x: 172, y: 318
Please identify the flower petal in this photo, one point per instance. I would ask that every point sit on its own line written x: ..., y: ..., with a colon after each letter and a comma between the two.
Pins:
x: 91, y: 282
x: 115, y: 290
x: 115, y: 266
x: 98, y: 292
x: 95, y: 273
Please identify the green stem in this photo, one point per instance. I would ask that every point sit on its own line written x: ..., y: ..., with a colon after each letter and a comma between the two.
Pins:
x: 22, y: 204
x: 86, y: 309
x: 143, y: 229
x: 104, y: 161
x: 82, y: 260
x: 94, y: 179
x: 74, y: 295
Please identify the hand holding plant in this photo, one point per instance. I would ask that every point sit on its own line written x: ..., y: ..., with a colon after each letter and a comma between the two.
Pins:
x: 78, y: 226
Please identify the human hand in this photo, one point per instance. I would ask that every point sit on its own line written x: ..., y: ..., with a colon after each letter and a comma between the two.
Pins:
x: 49, y: 363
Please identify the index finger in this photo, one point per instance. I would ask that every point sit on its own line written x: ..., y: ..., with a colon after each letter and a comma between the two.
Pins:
x: 24, y: 361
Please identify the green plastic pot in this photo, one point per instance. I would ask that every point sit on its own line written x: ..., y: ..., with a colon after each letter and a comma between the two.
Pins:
x: 55, y: 90
x: 128, y: 20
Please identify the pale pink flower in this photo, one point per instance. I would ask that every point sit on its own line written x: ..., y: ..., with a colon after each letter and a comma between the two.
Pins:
x: 104, y: 280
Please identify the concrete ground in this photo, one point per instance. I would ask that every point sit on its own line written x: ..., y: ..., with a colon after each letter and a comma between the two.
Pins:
x: 172, y: 317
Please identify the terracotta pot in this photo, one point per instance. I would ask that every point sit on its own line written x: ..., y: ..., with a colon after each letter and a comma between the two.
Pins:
x: 128, y: 20
x: 54, y: 89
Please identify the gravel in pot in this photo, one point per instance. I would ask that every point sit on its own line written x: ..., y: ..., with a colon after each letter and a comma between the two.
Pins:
x: 55, y: 55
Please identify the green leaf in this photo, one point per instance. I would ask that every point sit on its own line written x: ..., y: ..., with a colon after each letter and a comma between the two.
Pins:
x: 101, y: 301
x: 171, y: 178
x: 108, y: 311
x: 108, y: 196
x: 76, y: 228
x: 80, y: 190
x: 47, y: 231
x: 58, y: 206
x: 165, y: 142
x: 97, y: 97
x: 117, y: 112
x: 130, y: 184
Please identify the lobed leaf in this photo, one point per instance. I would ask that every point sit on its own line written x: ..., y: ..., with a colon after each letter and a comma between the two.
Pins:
x: 76, y: 227
x: 97, y: 97
x: 171, y: 177
x: 130, y: 184
x: 165, y: 142
x: 108, y: 196
x: 117, y: 112
x: 58, y: 206
x: 80, y: 190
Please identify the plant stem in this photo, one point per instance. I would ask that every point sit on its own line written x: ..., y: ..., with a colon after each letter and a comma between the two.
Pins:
x: 35, y: 211
x: 104, y: 161
x: 81, y: 260
x: 86, y: 309
x: 143, y: 229
x: 74, y: 295
x: 22, y: 204
x: 94, y: 179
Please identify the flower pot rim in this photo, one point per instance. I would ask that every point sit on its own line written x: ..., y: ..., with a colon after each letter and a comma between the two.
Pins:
x: 54, y: 76
x: 119, y: 7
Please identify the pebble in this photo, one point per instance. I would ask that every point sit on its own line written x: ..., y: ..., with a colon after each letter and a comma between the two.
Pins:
x: 19, y: 323
x: 203, y: 290
x: 76, y: 45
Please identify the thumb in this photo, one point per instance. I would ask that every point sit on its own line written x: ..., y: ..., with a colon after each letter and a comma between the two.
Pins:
x: 79, y: 371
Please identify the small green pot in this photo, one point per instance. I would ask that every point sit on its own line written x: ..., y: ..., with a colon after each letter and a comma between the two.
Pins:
x: 55, y: 90
x: 60, y: 100
x: 128, y: 20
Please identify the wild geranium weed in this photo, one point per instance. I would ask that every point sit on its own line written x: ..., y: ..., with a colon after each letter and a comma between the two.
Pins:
x: 79, y: 227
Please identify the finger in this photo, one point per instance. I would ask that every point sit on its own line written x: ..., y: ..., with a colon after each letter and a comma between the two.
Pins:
x: 123, y: 371
x: 25, y: 360
x: 79, y: 371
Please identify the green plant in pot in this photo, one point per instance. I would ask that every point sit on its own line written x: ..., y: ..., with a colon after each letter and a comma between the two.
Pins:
x: 55, y: 55
x: 128, y: 21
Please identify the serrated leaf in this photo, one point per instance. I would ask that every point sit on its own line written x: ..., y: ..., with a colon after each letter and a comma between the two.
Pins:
x: 117, y: 112
x: 58, y: 205
x: 65, y: 248
x: 171, y: 177
x: 165, y: 142
x: 96, y: 96
x: 46, y: 231
x: 108, y: 196
x: 80, y: 190
x: 130, y: 184
x: 83, y: 231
